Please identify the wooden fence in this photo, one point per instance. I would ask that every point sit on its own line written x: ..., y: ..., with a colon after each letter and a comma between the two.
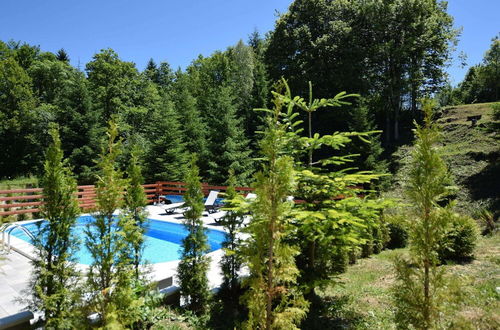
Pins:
x: 21, y: 201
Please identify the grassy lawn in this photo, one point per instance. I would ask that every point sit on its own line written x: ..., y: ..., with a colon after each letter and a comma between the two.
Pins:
x: 18, y: 183
x: 363, y: 299
x: 472, y: 154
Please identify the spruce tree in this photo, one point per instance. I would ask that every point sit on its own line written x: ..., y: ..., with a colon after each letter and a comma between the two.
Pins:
x: 54, y: 273
x: 62, y: 56
x: 273, y: 298
x: 193, y: 267
x: 420, y: 284
x: 370, y: 152
x: 151, y: 71
x: 228, y: 146
x: 191, y: 122
x: 166, y: 156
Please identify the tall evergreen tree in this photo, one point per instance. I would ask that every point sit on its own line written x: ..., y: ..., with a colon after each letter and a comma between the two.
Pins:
x: 110, y: 273
x: 135, y: 202
x: 231, y: 261
x: 151, y: 71
x: 193, y: 267
x: 325, y: 226
x: 273, y: 298
x: 62, y: 56
x: 166, y: 155
x: 420, y: 284
x: 54, y: 272
x: 190, y: 118
x: 370, y: 151
x: 261, y: 88
x: 241, y: 78
x: 228, y: 146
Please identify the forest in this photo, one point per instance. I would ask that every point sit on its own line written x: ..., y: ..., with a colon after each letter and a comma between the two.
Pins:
x: 341, y: 98
x: 208, y: 108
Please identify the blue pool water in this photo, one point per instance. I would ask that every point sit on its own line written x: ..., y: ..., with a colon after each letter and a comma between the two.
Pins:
x: 162, y: 239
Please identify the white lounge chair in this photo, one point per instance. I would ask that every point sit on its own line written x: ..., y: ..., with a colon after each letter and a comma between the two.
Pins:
x: 210, y: 206
x: 171, y: 208
x: 251, y: 196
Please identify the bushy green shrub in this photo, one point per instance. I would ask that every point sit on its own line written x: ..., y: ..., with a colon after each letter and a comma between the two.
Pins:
x: 378, y: 237
x: 397, y: 233
x: 398, y: 236
x: 459, y: 240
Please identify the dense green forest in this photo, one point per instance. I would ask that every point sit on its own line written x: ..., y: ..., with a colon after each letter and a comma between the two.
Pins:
x: 344, y: 106
x: 356, y: 47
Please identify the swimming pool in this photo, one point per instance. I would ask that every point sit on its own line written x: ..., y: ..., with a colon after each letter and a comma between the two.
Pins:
x: 162, y: 239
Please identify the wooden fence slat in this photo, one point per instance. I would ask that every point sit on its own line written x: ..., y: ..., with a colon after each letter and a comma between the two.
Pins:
x: 18, y: 191
x: 21, y: 197
x: 8, y: 206
x: 19, y: 212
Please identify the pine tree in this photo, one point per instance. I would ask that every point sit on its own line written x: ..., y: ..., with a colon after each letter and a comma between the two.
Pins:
x: 273, y: 298
x: 420, y: 290
x: 54, y: 274
x: 193, y: 267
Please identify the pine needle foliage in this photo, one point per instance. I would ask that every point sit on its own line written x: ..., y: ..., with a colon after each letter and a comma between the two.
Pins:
x: 419, y: 292
x: 54, y: 274
x: 272, y: 297
x: 110, y: 276
x: 193, y: 267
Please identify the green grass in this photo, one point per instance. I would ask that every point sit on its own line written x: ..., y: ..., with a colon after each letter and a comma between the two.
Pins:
x: 472, y: 154
x: 18, y: 183
x: 362, y: 300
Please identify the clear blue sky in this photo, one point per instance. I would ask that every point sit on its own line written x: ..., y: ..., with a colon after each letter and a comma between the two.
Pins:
x: 177, y: 31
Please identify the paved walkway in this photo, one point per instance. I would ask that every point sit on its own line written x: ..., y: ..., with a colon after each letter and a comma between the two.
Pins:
x: 15, y: 269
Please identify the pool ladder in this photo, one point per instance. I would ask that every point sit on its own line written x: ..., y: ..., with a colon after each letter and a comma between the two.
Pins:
x: 8, y: 228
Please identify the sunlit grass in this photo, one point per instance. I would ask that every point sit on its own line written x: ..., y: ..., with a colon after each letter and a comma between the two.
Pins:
x: 363, y: 299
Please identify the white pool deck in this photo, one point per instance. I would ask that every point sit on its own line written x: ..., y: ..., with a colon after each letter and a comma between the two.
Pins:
x: 15, y: 267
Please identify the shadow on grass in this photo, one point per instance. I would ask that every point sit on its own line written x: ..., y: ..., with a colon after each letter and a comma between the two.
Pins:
x: 331, y: 313
x: 484, y: 185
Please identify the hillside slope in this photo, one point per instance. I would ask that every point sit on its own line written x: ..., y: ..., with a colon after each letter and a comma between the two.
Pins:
x: 472, y: 153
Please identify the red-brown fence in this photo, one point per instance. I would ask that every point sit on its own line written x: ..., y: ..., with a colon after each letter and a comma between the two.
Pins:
x: 21, y: 201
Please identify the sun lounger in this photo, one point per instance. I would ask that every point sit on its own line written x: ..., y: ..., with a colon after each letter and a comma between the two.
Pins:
x: 210, y: 206
x: 251, y: 196
x: 171, y: 208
